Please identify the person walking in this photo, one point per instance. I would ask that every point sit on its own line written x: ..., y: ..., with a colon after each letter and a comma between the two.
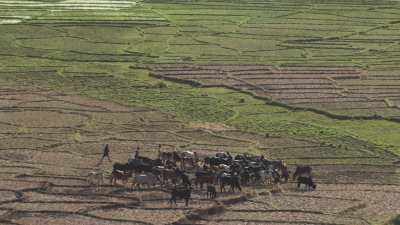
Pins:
x: 137, y: 152
x: 106, y: 153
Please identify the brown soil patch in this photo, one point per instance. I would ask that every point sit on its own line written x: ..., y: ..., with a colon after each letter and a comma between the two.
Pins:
x: 42, y: 119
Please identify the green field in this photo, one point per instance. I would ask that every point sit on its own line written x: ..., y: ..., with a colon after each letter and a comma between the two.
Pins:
x: 101, y: 53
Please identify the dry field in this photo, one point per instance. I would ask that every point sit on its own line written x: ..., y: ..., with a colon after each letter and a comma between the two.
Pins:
x: 50, y: 141
x: 331, y: 204
x: 336, y: 92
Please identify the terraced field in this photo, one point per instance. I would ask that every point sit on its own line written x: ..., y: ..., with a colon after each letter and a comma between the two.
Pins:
x: 341, y: 93
x: 50, y: 141
x: 309, y: 82
x: 332, y: 205
x: 340, y: 61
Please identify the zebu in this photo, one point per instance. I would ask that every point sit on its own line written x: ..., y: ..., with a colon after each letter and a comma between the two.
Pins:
x: 308, y: 181
x: 204, y: 178
x: 302, y: 171
x: 95, y: 178
x: 181, y: 193
x: 148, y: 179
x: 232, y: 180
x: 120, y: 175
x: 211, y: 191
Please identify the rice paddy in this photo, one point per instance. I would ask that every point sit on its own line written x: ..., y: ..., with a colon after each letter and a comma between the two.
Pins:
x: 310, y: 82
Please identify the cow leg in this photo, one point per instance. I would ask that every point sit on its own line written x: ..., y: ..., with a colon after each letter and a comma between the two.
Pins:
x: 187, y: 201
x: 173, y: 200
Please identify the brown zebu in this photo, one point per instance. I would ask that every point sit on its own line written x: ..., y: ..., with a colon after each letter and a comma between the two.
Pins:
x: 120, y: 175
x: 204, y: 178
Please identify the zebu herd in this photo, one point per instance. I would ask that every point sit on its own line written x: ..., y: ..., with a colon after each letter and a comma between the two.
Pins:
x: 183, y: 171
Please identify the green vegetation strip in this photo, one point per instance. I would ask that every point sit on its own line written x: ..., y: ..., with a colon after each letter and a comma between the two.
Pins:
x: 218, y: 105
x: 91, y: 53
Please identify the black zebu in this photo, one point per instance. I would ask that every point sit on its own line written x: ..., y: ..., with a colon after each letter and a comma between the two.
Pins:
x: 181, y: 193
x: 308, y: 181
x: 232, y: 180
x: 135, y: 165
x: 302, y: 171
x: 216, y: 161
x: 211, y: 191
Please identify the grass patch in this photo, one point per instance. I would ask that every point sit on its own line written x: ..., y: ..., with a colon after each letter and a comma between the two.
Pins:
x: 394, y: 221
x: 92, y: 53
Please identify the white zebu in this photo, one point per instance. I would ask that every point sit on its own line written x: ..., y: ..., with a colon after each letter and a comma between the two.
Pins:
x: 188, y: 154
x: 189, y: 158
x: 95, y: 178
x: 224, y: 168
x: 266, y: 176
x: 148, y: 179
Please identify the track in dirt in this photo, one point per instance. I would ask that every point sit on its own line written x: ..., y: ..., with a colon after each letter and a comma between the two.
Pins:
x: 49, y: 141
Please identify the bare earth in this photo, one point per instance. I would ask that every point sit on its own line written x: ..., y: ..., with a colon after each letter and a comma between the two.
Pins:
x: 50, y: 141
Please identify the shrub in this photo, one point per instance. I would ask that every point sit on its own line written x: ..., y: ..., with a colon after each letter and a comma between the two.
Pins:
x: 160, y: 85
x: 395, y: 221
x: 76, y: 137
